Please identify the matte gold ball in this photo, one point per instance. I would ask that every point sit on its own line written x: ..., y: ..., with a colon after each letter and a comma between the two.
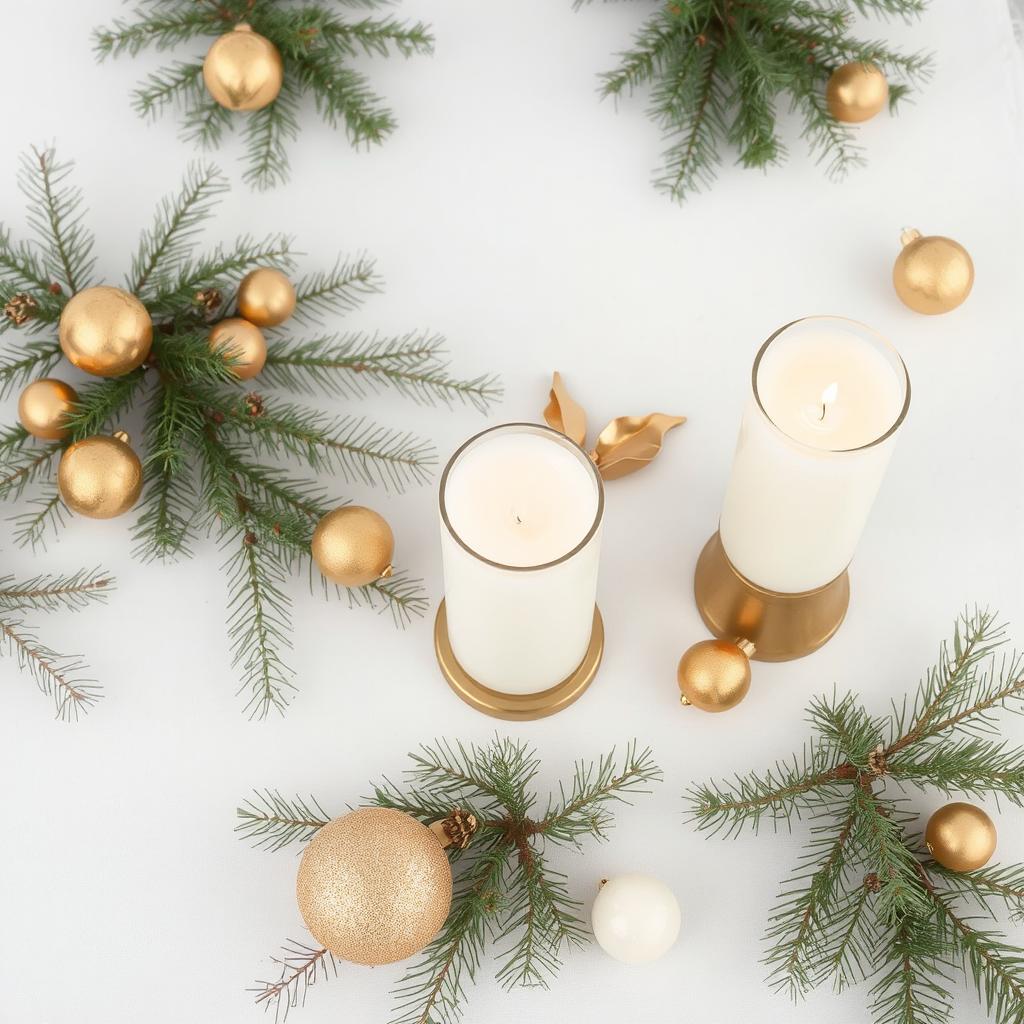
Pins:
x: 44, y: 406
x: 714, y: 675
x: 932, y: 274
x: 856, y: 92
x: 374, y: 886
x: 266, y: 297
x: 961, y: 837
x: 243, y: 70
x: 353, y: 546
x: 241, y: 341
x: 105, y: 331
x: 100, y: 477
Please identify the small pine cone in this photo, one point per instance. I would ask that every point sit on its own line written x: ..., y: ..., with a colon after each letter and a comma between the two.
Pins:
x: 249, y: 539
x: 872, y: 882
x: 877, y: 763
x: 254, y: 404
x: 19, y: 308
x: 209, y: 299
x: 457, y: 829
x: 55, y: 289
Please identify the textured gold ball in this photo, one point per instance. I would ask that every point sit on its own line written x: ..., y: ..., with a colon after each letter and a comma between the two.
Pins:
x: 932, y: 274
x: 100, y: 477
x: 105, y: 331
x: 713, y: 675
x: 353, y: 546
x: 374, y: 886
x: 961, y: 837
x: 243, y: 70
x: 266, y: 297
x: 243, y: 342
x: 856, y: 92
x: 44, y: 407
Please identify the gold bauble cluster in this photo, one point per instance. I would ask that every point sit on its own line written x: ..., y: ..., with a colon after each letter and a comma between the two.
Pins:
x: 374, y: 886
x: 714, y: 675
x: 961, y: 837
x: 352, y: 546
x: 856, y: 92
x: 243, y: 70
x: 105, y: 331
x: 100, y: 477
x: 932, y: 274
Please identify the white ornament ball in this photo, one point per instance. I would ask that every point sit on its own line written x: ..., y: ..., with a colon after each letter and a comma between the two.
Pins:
x: 635, y: 918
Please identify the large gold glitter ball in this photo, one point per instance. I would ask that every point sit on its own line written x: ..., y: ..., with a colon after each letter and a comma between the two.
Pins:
x: 932, y: 274
x: 243, y: 70
x: 961, y: 837
x: 243, y: 343
x: 44, y: 407
x: 713, y: 675
x: 100, y: 477
x: 374, y: 886
x: 353, y: 545
x: 266, y: 297
x: 856, y: 92
x: 105, y: 331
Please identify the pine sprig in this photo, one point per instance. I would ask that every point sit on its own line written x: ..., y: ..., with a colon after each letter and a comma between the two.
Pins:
x: 718, y: 73
x: 318, y: 48
x: 866, y: 900
x: 213, y: 449
x: 505, y: 895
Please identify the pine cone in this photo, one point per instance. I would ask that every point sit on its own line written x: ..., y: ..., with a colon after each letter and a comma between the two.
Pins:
x: 877, y: 763
x: 254, y: 404
x: 19, y: 308
x: 872, y: 882
x: 209, y: 299
x: 457, y: 829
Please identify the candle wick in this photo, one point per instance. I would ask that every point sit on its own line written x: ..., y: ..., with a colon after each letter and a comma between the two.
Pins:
x: 821, y: 418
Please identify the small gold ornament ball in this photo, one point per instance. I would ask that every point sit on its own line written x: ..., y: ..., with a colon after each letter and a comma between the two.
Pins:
x: 714, y: 675
x: 100, y: 477
x: 243, y: 70
x: 856, y: 92
x: 374, y: 886
x: 105, y: 331
x: 932, y: 274
x: 266, y: 297
x: 961, y: 837
x: 353, y: 546
x: 242, y: 341
x: 44, y: 406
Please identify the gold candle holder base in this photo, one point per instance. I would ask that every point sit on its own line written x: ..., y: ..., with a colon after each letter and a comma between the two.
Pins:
x: 517, y: 707
x: 781, y: 626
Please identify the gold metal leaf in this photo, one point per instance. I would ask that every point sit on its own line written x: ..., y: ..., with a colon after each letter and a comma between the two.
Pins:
x: 564, y: 414
x: 630, y: 442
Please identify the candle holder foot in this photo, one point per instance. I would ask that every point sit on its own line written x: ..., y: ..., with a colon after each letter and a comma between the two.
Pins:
x: 517, y: 707
x: 781, y: 626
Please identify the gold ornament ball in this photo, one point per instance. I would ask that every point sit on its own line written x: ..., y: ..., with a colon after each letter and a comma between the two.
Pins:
x: 374, y: 886
x: 100, y: 477
x: 44, y: 407
x: 714, y: 675
x: 243, y: 342
x: 961, y: 837
x: 105, y: 331
x: 932, y: 274
x: 856, y: 92
x: 353, y: 546
x: 266, y: 297
x: 243, y: 70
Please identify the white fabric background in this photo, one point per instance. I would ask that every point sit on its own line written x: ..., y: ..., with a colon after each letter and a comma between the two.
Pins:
x: 512, y: 211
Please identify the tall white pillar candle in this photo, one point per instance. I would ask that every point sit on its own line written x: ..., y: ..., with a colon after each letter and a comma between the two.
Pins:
x: 521, y: 508
x: 828, y: 398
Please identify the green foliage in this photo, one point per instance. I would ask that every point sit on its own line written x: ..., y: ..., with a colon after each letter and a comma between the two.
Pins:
x: 505, y: 895
x: 317, y: 47
x: 212, y: 448
x: 718, y: 72
x: 866, y: 901
x: 60, y: 677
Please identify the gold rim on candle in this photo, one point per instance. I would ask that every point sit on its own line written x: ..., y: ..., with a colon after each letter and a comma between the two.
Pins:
x: 880, y: 339
x: 565, y: 442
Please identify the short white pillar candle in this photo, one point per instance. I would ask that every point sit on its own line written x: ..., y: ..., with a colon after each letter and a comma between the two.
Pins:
x: 521, y: 508
x: 828, y: 397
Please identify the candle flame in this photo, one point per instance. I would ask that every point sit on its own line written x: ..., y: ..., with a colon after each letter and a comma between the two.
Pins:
x: 828, y: 396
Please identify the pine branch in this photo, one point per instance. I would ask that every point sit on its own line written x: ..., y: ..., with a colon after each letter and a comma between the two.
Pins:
x: 26, y: 363
x: 163, y: 29
x: 102, y: 403
x: 267, y: 133
x: 22, y: 461
x: 271, y: 822
x: 301, y: 967
x: 913, y: 988
x: 338, y: 290
x: 55, y: 593
x: 179, y: 82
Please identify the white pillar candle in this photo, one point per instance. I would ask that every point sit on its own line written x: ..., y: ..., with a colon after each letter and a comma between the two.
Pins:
x: 521, y: 509
x: 829, y: 396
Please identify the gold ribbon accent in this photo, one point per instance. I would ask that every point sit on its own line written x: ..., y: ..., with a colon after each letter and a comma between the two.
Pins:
x: 627, y: 444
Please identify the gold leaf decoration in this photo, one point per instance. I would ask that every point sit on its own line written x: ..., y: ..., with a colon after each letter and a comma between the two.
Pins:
x: 630, y: 442
x: 564, y: 414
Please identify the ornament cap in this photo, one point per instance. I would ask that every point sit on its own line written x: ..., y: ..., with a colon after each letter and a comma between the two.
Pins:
x: 908, y: 235
x: 122, y: 436
x: 457, y: 829
x: 243, y: 26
